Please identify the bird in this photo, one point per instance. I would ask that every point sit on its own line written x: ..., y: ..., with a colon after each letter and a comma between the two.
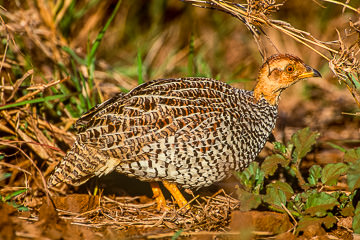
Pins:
x: 184, y: 132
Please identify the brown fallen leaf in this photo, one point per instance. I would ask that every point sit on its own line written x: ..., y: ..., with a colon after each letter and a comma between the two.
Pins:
x: 77, y: 203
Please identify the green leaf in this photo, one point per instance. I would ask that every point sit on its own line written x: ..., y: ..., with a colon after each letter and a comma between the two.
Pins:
x: 319, y: 198
x: 303, y: 140
x: 252, y: 178
x: 283, y: 186
x: 248, y: 200
x: 275, y: 196
x: 352, y: 155
x: 302, y: 197
x: 331, y: 173
x: 314, y: 175
x: 353, y: 175
x: 319, y: 203
x: 356, y: 220
x: 271, y: 163
x: 280, y: 147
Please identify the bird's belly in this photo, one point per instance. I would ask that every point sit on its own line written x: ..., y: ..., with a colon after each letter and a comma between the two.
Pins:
x: 189, y: 176
x: 194, y: 162
x: 193, y: 172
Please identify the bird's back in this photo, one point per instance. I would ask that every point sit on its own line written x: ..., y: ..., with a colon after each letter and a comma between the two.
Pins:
x: 191, y: 131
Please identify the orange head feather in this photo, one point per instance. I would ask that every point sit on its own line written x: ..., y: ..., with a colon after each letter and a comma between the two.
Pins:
x: 278, y: 73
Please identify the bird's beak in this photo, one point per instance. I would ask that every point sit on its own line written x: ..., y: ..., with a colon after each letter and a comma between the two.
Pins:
x: 310, y: 72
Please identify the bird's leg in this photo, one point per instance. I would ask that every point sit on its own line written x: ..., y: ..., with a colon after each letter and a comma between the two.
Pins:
x: 175, y: 192
x: 158, y: 195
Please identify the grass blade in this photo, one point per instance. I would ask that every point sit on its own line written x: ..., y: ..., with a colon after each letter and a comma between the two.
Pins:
x: 14, y: 194
x: 37, y: 100
x: 91, y: 57
x: 191, y: 58
x: 140, y: 67
x: 101, y: 34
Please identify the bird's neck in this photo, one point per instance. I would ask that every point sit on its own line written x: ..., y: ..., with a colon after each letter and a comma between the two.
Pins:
x: 270, y: 93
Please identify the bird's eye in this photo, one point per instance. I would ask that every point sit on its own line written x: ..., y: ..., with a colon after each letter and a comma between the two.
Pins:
x: 290, y: 68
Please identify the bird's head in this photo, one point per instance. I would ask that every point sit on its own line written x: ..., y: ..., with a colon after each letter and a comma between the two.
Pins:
x: 278, y: 73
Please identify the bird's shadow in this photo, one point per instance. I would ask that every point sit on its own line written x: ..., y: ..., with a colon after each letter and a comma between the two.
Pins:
x: 122, y: 185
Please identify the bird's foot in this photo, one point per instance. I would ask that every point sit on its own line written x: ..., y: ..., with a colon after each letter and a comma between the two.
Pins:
x: 159, y: 197
x: 175, y: 192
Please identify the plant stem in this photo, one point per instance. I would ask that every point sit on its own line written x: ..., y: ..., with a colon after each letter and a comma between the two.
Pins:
x: 300, y: 178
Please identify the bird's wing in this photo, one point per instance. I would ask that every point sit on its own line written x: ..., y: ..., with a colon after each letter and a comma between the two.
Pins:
x: 154, y: 111
x: 107, y: 106
x: 82, y: 123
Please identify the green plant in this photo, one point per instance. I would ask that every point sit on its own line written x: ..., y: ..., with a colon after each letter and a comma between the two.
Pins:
x: 306, y: 200
x: 9, y: 198
x: 89, y: 62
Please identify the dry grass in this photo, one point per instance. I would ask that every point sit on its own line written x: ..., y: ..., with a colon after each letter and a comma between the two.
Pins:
x: 208, y: 214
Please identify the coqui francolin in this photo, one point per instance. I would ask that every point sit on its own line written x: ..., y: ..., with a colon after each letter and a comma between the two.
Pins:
x: 188, y: 132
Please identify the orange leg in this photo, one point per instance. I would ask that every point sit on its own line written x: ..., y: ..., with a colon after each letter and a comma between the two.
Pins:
x: 181, y: 201
x: 158, y: 195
